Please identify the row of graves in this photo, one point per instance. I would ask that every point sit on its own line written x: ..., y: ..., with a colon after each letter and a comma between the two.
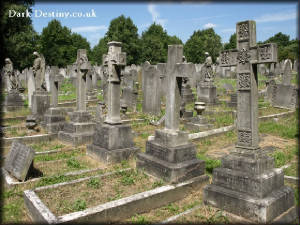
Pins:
x: 137, y: 155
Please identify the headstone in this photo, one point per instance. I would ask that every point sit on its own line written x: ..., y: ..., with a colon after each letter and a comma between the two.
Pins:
x: 247, y: 184
x: 228, y: 87
x: 79, y: 130
x: 54, y: 119
x: 31, y: 86
x: 47, y: 77
x: 112, y: 140
x: 296, y: 66
x: 100, y: 112
x: 151, y: 92
x: 287, y: 72
x: 130, y: 88
x: 206, y: 90
x: 170, y: 156
x: 161, y: 67
x: 233, y: 100
x: 19, y: 160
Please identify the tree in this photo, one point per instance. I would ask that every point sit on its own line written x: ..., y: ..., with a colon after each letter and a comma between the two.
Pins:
x: 18, y: 35
x: 122, y: 29
x: 155, y: 44
x: 200, y: 42
x: 174, y: 40
x: 79, y: 42
x: 98, y: 51
x: 232, y: 42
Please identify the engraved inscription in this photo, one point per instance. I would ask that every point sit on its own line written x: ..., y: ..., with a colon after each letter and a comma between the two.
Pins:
x: 243, y: 31
x: 244, y: 137
x: 244, y: 80
x: 243, y: 56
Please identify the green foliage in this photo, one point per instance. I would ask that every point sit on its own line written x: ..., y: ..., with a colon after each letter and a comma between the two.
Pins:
x: 52, y: 180
x: 200, y: 42
x: 123, y: 29
x: 59, y: 45
x: 210, y: 164
x: 94, y: 183
x: 98, y: 51
x: 232, y: 42
x: 79, y: 205
x: 157, y: 184
x: 139, y: 219
x: 154, y: 44
x: 73, y: 163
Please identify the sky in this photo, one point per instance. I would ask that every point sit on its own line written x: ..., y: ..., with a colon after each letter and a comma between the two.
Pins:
x: 180, y: 19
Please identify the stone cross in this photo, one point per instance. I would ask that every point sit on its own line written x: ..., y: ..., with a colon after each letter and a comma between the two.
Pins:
x: 175, y: 71
x: 287, y: 72
x: 115, y: 60
x: 83, y: 66
x: 246, y: 57
x: 55, y: 79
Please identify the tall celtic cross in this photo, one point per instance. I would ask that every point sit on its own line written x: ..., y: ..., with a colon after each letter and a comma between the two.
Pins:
x: 115, y: 60
x: 175, y: 71
x: 245, y: 58
x: 83, y: 66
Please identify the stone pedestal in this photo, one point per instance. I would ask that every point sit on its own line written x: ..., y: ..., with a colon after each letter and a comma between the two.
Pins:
x: 171, y: 157
x: 91, y: 95
x: 40, y: 104
x: 53, y: 120
x: 248, y: 185
x: 79, y: 130
x: 198, y: 123
x: 13, y: 101
x: 233, y: 100
x: 187, y: 94
x: 207, y: 93
x: 112, y: 143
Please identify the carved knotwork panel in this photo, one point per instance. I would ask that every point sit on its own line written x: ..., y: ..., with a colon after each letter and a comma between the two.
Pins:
x: 244, y: 137
x: 243, y: 31
x: 243, y: 56
x: 244, y: 81
x: 265, y: 53
x: 225, y: 58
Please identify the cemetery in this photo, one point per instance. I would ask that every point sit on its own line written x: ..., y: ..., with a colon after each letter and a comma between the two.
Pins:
x: 158, y: 142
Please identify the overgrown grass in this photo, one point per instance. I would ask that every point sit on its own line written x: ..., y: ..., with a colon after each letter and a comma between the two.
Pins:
x: 68, y: 91
x: 59, y: 155
x: 210, y: 164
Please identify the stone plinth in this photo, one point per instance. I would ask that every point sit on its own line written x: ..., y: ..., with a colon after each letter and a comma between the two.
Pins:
x: 79, y: 130
x: 198, y: 123
x: 171, y: 157
x: 13, y: 101
x: 112, y: 143
x: 54, y: 120
x: 207, y: 93
x: 248, y: 185
x: 40, y: 104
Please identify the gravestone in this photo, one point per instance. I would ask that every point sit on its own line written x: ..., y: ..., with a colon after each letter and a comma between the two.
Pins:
x: 161, y: 67
x: 296, y: 66
x: 233, y: 100
x: 30, y: 85
x: 113, y: 140
x: 54, y: 119
x: 206, y: 90
x: 151, y: 92
x: 91, y: 93
x: 79, y: 130
x: 186, y: 90
x: 284, y: 95
x: 247, y: 184
x: 19, y: 162
x: 130, y: 88
x: 100, y: 112
x: 228, y: 87
x: 170, y: 156
x: 47, y: 77
x: 272, y: 70
x: 94, y: 78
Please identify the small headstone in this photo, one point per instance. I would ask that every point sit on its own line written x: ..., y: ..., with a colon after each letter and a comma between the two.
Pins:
x: 228, y: 87
x: 19, y: 160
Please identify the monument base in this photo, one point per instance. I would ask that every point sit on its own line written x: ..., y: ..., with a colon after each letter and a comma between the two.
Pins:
x: 198, y: 123
x: 170, y: 157
x: 91, y: 95
x: 40, y: 104
x: 248, y: 186
x: 79, y: 130
x: 207, y: 94
x: 112, y: 143
x: 13, y: 101
x: 53, y: 120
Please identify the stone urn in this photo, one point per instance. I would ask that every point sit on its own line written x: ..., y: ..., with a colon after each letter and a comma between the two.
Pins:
x: 199, y: 107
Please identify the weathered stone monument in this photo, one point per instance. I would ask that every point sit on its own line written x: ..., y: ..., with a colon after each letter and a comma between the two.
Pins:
x: 13, y: 100
x: 54, y: 119
x: 151, y: 92
x: 80, y: 129
x: 247, y: 184
x: 130, y: 88
x: 30, y: 86
x: 91, y: 93
x: 19, y: 162
x: 113, y: 140
x: 40, y: 97
x: 206, y: 90
x: 285, y: 95
x: 170, y: 156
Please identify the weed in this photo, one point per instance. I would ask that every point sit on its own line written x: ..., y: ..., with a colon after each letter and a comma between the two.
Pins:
x: 79, y: 205
x: 172, y: 208
x: 158, y: 183
x: 94, y: 183
x: 73, y: 163
x: 52, y: 180
x: 139, y: 219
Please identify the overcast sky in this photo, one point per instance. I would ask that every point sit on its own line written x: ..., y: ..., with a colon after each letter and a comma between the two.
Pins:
x: 180, y: 19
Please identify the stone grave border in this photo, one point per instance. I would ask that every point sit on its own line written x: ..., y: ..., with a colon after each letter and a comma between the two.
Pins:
x: 30, y: 139
x: 10, y: 181
x: 118, y: 209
